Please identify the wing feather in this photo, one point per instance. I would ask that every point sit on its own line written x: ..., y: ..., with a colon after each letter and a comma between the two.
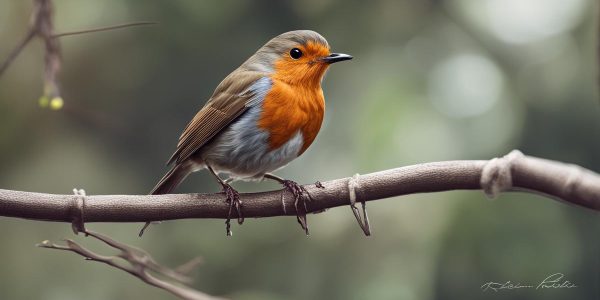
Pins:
x: 234, y: 95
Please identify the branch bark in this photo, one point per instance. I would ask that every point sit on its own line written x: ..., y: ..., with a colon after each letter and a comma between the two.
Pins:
x: 514, y: 172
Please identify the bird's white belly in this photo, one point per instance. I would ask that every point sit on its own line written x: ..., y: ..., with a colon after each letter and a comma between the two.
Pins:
x: 242, y: 150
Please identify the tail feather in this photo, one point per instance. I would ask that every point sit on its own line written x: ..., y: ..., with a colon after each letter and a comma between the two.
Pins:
x: 167, y: 184
x: 171, y: 180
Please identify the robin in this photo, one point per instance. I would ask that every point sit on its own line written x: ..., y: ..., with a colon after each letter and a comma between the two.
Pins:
x: 262, y: 116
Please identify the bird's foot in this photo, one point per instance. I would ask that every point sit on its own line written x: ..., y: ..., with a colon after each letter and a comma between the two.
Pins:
x: 233, y: 199
x: 300, y: 195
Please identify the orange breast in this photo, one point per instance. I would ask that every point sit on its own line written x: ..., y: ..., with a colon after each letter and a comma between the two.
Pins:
x: 288, y: 109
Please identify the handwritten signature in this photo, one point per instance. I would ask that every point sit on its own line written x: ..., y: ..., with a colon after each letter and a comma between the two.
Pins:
x: 554, y: 281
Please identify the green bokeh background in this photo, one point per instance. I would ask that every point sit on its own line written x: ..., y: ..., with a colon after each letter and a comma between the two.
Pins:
x: 431, y: 80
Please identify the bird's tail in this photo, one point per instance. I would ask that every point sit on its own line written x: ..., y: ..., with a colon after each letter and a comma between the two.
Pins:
x: 168, y: 183
x: 171, y: 180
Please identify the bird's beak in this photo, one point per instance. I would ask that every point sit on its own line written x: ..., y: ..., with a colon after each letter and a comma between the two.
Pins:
x: 335, y: 57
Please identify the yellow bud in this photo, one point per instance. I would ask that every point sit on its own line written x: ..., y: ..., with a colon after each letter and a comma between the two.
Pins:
x: 56, y: 103
x: 44, y: 101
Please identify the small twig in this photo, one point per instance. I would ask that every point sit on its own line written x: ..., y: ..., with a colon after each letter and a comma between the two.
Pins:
x: 62, y: 34
x: 137, y: 263
x: 42, y: 26
x: 189, y: 266
x: 16, y: 51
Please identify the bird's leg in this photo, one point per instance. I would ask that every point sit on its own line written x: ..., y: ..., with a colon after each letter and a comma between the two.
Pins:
x: 298, y: 191
x: 233, y: 198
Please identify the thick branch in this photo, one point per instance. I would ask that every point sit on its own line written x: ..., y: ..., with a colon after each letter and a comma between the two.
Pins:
x: 515, y: 171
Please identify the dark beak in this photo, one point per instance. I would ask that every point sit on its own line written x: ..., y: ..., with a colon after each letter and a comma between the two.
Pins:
x: 336, y: 57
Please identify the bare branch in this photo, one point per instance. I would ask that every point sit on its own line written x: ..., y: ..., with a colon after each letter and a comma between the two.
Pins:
x: 52, y: 55
x: 62, y: 34
x: 514, y: 172
x: 136, y: 262
x: 42, y: 26
x: 16, y: 51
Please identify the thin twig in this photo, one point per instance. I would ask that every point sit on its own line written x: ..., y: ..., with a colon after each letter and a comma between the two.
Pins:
x: 16, y: 51
x: 62, y: 34
x: 138, y: 263
x: 42, y: 26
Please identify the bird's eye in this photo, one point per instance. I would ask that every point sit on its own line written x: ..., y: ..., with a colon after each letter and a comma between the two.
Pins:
x: 295, y: 53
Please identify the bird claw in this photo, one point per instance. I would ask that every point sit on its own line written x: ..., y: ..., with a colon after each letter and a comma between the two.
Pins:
x: 298, y: 191
x: 233, y: 199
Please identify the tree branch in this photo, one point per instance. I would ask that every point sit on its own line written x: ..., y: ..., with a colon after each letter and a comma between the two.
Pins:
x: 42, y: 26
x: 514, y: 172
x: 139, y: 264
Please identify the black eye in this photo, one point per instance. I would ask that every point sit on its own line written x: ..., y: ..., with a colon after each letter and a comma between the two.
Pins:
x: 295, y: 53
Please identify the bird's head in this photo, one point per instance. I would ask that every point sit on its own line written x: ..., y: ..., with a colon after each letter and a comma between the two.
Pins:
x: 295, y: 57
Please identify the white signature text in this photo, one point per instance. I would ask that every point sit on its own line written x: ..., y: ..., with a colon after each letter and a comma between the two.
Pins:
x: 554, y: 281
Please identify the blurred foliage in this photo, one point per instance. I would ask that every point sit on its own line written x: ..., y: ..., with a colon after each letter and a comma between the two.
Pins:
x: 431, y: 80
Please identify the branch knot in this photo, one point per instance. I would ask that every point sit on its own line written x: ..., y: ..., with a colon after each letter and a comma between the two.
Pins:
x: 363, y: 222
x: 77, y: 208
x: 496, y: 176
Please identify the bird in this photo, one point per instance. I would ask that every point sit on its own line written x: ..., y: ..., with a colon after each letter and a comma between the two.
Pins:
x: 263, y: 115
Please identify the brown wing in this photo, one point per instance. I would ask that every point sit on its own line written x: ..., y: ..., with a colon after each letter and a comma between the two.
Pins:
x: 229, y: 101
